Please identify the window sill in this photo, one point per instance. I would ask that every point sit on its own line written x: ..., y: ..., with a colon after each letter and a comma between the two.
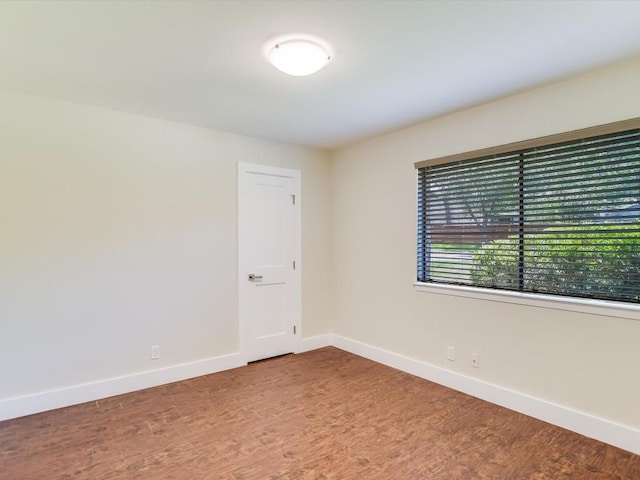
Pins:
x: 582, y: 305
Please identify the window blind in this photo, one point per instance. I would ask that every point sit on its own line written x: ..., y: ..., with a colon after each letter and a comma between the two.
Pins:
x: 560, y: 218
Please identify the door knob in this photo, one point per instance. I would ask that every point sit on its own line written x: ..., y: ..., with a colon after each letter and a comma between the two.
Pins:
x: 253, y: 277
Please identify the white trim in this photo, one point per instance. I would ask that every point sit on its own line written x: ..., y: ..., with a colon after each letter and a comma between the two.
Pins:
x: 604, y: 430
x: 86, y: 392
x: 601, y: 429
x: 573, y: 304
x: 314, y: 343
x: 20, y: 406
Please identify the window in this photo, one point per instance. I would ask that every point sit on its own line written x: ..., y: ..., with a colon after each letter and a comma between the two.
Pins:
x: 558, y: 215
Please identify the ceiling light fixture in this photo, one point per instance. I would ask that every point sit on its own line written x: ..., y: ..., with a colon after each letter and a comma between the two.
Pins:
x: 298, y: 55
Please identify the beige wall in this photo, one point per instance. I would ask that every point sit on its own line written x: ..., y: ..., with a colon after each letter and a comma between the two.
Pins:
x: 119, y: 231
x: 584, y: 362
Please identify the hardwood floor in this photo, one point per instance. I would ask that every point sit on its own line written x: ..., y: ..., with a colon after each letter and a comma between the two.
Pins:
x: 324, y: 414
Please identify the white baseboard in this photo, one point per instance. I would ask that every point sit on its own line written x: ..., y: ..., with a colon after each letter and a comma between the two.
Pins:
x: 606, y: 431
x: 313, y: 343
x: 64, y: 397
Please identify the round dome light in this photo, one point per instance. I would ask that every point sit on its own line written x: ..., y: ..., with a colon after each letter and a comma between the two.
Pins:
x: 298, y: 56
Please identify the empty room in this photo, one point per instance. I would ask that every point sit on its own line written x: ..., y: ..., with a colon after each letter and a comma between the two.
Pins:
x: 247, y: 240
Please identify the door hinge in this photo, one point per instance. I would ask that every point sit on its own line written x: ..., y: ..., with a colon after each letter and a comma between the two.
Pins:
x: 293, y: 199
x: 294, y: 264
x: 294, y: 329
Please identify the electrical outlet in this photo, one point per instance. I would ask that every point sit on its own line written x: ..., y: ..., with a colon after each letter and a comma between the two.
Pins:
x: 155, y: 352
x: 451, y: 354
x: 475, y: 360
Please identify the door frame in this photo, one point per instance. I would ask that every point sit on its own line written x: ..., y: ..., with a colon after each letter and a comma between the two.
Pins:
x: 296, y: 282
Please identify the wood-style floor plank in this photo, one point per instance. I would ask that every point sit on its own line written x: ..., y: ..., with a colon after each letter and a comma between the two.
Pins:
x: 324, y: 414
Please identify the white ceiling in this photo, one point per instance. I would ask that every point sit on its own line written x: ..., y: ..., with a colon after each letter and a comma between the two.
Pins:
x: 396, y: 62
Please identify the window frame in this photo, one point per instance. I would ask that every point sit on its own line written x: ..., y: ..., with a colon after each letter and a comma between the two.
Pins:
x: 560, y: 302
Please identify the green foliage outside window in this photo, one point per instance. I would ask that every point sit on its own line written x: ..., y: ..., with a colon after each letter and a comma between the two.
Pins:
x: 559, y: 259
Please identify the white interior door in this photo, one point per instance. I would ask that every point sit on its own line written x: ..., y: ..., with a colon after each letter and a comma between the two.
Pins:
x: 268, y: 259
